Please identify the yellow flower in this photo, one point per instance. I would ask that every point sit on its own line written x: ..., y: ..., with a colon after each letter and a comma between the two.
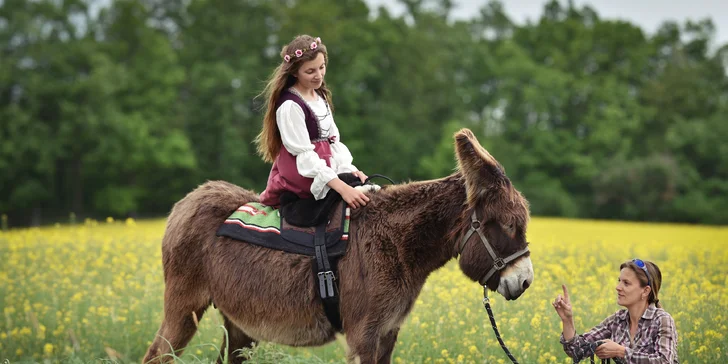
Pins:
x: 110, y: 277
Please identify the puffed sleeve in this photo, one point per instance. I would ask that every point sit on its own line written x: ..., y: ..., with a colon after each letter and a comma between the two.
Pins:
x: 292, y: 124
x: 341, y: 153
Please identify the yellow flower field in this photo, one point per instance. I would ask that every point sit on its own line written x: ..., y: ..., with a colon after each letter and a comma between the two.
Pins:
x: 94, y: 291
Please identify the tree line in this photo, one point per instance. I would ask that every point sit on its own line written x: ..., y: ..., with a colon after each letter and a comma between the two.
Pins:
x: 119, y: 108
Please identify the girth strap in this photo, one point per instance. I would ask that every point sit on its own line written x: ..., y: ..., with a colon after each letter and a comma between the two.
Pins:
x: 328, y: 287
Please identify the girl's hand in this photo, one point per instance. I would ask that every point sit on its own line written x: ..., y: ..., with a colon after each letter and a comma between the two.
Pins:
x: 363, y: 177
x: 353, y: 197
x: 609, y: 349
x: 562, y: 305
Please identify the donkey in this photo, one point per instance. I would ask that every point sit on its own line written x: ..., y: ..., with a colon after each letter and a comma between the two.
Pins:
x: 403, y: 234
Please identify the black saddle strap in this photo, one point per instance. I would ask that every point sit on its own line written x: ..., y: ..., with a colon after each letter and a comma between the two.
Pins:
x: 327, y: 285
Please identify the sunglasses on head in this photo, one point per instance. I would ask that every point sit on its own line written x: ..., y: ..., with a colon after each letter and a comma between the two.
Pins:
x: 641, y: 265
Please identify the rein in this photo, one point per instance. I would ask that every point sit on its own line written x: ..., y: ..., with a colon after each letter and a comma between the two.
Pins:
x: 486, y: 303
x: 380, y: 176
x: 498, y: 265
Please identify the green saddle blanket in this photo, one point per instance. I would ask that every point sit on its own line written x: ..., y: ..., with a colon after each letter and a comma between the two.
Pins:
x: 263, y: 225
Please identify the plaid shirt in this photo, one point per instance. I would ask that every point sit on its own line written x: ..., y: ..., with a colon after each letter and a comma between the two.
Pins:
x: 654, y: 342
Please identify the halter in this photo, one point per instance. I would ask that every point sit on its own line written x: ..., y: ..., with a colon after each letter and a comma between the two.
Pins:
x: 498, y: 263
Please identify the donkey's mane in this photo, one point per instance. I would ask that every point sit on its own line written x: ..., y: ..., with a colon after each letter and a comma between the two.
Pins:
x: 425, y: 216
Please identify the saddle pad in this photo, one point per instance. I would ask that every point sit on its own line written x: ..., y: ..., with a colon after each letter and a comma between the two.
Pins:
x: 263, y: 225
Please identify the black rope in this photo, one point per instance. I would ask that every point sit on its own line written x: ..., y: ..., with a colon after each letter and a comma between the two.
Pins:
x: 593, y: 349
x: 380, y: 176
x: 486, y: 303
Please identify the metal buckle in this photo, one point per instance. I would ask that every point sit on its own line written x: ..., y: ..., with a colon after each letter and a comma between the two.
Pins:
x: 330, y: 278
x: 475, y: 225
x: 326, y: 284
x: 498, y: 264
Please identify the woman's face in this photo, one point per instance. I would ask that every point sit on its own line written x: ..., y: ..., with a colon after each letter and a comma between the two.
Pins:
x: 629, y: 289
x: 311, y: 74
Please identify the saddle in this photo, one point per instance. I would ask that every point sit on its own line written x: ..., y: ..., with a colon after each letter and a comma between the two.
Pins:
x: 316, y: 228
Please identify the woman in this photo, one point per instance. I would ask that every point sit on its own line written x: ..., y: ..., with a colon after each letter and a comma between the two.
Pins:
x: 643, y: 332
x: 299, y: 134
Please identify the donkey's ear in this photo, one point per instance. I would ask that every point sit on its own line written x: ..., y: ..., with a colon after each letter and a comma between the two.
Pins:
x: 478, y: 167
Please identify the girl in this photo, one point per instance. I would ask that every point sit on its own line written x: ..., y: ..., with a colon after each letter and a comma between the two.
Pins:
x: 299, y: 134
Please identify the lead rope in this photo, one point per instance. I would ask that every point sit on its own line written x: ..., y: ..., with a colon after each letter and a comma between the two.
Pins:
x: 486, y: 303
x: 593, y: 349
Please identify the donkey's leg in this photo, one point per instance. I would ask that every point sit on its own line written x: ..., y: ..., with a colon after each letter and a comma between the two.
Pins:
x: 183, y: 308
x: 238, y: 340
x: 386, y: 346
x: 363, y: 343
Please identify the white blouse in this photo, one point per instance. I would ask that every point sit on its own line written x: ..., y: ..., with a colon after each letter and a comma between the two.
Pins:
x: 291, y: 122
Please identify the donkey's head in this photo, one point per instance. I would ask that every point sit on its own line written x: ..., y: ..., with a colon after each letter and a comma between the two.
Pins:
x: 492, y: 239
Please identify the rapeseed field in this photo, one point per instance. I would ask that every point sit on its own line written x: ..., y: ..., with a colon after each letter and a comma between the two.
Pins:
x: 94, y: 291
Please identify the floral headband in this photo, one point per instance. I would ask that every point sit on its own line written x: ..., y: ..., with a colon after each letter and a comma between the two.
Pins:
x: 299, y: 52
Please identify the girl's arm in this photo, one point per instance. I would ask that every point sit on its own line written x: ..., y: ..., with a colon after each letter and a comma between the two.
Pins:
x: 341, y: 154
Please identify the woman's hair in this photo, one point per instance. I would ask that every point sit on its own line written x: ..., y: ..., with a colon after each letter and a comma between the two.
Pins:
x: 301, y: 49
x: 655, y: 278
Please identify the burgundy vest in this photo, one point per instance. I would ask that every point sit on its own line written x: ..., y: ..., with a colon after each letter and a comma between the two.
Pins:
x: 284, y: 174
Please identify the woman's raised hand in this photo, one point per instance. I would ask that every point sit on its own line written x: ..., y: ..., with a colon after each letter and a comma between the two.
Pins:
x: 562, y: 305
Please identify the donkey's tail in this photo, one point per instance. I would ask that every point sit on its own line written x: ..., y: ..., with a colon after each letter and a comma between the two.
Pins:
x: 218, y: 199
x: 201, y: 212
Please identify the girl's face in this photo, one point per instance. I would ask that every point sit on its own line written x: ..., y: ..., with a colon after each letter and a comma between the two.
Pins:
x: 311, y: 74
x: 629, y: 290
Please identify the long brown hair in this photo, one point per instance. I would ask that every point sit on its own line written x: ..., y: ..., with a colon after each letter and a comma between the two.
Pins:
x: 655, y: 278
x: 269, y: 140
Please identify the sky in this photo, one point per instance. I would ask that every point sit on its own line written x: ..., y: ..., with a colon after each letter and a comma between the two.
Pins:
x: 648, y: 14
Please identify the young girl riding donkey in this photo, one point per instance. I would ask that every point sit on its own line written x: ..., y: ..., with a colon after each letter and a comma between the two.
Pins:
x: 299, y: 134
x: 405, y: 233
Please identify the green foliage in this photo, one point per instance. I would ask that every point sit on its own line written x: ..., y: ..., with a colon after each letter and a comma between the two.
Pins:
x: 124, y: 111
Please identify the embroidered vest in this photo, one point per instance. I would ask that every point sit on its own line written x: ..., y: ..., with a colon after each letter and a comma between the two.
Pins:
x: 284, y: 174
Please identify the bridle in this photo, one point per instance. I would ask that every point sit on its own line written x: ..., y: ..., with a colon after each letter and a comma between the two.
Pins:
x: 498, y: 262
x: 498, y: 265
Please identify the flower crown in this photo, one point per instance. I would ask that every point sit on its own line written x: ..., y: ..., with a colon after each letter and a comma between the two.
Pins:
x: 299, y: 52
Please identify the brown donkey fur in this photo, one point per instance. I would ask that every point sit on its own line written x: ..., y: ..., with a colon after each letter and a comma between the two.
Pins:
x: 405, y: 233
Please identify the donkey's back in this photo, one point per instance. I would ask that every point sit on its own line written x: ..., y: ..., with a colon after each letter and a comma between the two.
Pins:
x: 263, y: 294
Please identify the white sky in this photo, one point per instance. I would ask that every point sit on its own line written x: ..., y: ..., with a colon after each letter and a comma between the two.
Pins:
x: 648, y: 14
